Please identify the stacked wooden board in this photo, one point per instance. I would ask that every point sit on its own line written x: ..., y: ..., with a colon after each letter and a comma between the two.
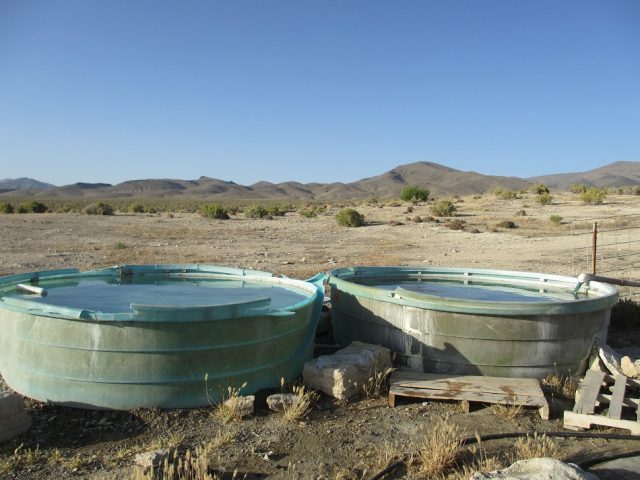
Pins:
x: 599, y: 390
x: 468, y: 388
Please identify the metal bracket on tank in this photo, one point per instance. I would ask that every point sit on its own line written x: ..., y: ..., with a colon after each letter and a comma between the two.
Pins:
x: 541, y: 289
x: 466, y: 278
x: 124, y: 271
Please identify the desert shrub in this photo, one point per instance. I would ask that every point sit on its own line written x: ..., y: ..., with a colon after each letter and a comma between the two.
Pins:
x: 312, y: 210
x: 455, y: 224
x: 136, y: 207
x: 417, y: 219
x: 539, y: 189
x: 98, y: 208
x: 348, y: 217
x: 32, y: 207
x: 409, y: 209
x: 413, y: 193
x: 521, y: 213
x: 636, y: 191
x: 545, y: 199
x: 6, y: 207
x: 119, y: 246
x: 592, y: 196
x: 257, y: 211
x: 214, y: 211
x: 577, y: 188
x: 555, y: 219
x: 625, y: 314
x: 276, y: 211
x: 506, y: 224
x: 443, y: 208
x: 505, y: 194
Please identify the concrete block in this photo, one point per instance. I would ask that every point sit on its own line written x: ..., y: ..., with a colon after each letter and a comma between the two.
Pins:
x: 14, y: 420
x: 344, y: 373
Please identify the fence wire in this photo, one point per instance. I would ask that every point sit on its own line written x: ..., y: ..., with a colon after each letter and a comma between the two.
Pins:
x: 617, y: 249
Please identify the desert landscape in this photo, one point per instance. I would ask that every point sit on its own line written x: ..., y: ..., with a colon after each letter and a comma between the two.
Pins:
x: 346, y: 440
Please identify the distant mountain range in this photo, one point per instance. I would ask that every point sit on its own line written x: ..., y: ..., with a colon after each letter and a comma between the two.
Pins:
x: 618, y: 174
x: 438, y: 179
x: 24, y: 184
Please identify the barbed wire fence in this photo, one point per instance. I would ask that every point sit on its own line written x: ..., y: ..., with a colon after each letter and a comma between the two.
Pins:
x: 609, y: 247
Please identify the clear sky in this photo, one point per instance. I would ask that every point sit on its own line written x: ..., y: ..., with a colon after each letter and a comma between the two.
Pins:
x: 113, y: 90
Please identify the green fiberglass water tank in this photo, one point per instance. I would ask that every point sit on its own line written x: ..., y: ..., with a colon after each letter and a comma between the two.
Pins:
x: 472, y: 321
x: 148, y: 335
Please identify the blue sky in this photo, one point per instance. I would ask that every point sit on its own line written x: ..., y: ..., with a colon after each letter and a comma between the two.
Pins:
x: 314, y: 90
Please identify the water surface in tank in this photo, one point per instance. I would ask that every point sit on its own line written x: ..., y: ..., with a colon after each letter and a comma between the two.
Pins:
x: 472, y: 290
x: 116, y: 296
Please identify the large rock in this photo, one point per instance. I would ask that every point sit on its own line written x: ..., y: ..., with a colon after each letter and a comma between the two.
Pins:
x: 538, y: 469
x: 14, y: 420
x: 344, y: 373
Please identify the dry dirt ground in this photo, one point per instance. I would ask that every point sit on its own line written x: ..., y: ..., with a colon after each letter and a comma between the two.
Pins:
x: 337, y: 440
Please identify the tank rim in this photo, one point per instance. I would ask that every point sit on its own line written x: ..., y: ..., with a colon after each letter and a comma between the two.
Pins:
x: 9, y: 282
x: 604, y: 297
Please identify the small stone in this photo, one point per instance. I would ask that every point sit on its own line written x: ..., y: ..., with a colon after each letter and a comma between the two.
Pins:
x: 103, y: 421
x: 279, y: 401
x: 154, y: 459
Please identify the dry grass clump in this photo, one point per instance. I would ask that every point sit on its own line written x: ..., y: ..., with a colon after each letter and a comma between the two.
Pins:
x: 507, y: 412
x: 455, y: 224
x: 561, y: 386
x: 377, y: 384
x: 385, y: 454
x: 439, y: 448
x: 21, y: 457
x: 537, y: 446
x: 230, y: 407
x: 194, y: 465
x: 479, y: 462
x: 506, y: 224
x: 301, y: 406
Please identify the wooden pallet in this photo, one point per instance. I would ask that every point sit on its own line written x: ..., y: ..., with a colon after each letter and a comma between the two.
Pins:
x: 466, y: 388
x: 594, y: 394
